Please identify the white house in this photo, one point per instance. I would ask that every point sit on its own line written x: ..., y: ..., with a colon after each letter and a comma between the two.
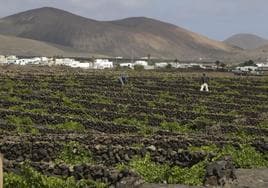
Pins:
x: 67, y: 62
x: 161, y: 65
x: 3, y: 59
x: 84, y: 65
x: 24, y: 61
x: 262, y: 65
x: 247, y: 68
x: 149, y: 67
x: 11, y: 59
x: 35, y: 60
x: 103, y: 64
x: 183, y: 65
x: 194, y: 65
x: 45, y: 60
x: 142, y: 63
x: 179, y: 65
x: 129, y: 65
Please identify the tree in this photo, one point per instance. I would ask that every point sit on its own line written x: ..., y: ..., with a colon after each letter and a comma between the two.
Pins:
x: 217, y: 63
x: 149, y: 57
x: 176, y: 60
x: 169, y: 66
x: 138, y: 67
x: 249, y: 63
x: 223, y: 65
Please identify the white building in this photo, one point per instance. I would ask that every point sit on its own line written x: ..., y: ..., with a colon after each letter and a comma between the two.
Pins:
x: 25, y: 61
x: 3, y: 59
x: 161, y: 65
x: 21, y: 61
x: 84, y: 65
x: 149, y: 67
x: 103, y: 64
x: 174, y: 65
x: 247, y: 68
x: 35, y: 61
x: 262, y: 65
x: 127, y: 65
x: 67, y: 62
x: 45, y: 60
x: 183, y: 66
x: 142, y: 63
x: 11, y: 59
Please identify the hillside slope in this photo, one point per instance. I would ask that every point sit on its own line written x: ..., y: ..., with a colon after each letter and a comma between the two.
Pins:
x: 246, y: 41
x: 10, y: 45
x: 19, y: 46
x: 132, y: 36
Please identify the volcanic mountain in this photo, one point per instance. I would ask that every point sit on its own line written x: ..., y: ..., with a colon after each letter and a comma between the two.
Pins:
x: 246, y: 41
x: 137, y: 36
x: 10, y: 45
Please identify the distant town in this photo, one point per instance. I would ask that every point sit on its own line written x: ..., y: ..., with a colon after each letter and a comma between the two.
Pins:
x: 256, y: 68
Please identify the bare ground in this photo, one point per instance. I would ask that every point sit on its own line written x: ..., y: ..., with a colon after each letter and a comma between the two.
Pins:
x: 246, y: 178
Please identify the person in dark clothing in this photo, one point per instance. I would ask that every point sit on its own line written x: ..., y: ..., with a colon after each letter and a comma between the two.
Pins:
x: 204, y: 83
x: 123, y: 78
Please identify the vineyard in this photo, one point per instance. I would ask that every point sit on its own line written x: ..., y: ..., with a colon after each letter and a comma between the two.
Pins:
x: 70, y: 128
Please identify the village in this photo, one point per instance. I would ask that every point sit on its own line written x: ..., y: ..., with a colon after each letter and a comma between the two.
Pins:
x: 258, y: 68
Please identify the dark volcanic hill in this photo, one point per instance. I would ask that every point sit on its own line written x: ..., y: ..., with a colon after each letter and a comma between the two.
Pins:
x: 133, y: 36
x: 13, y: 45
x: 10, y: 45
x: 246, y: 41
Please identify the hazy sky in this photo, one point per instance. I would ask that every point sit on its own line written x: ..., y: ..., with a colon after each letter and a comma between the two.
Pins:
x: 216, y: 19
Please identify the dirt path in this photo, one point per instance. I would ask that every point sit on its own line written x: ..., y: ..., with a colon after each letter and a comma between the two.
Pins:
x: 247, y: 178
x: 252, y: 178
x: 1, y: 171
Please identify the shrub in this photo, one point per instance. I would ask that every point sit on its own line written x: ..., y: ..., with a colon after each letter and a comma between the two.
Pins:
x: 175, y: 127
x: 67, y: 102
x: 101, y: 99
x: 264, y: 124
x: 189, y: 176
x: 142, y: 125
x: 200, y: 109
x: 248, y: 63
x: 210, y: 148
x: 243, y: 136
x: 28, y: 177
x: 26, y: 91
x: 245, y: 157
x: 202, y: 122
x: 169, y: 66
x: 17, y: 108
x: 16, y: 120
x: 74, y: 154
x: 166, y: 97
x: 70, y: 126
x: 23, y: 124
x: 8, y: 85
x: 138, y: 67
x: 152, y: 172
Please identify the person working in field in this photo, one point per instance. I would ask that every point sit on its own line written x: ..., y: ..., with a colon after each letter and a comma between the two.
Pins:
x: 123, y: 79
x: 204, y: 83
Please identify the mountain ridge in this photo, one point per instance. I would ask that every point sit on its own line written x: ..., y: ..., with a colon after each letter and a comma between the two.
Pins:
x: 246, y: 41
x: 138, y: 36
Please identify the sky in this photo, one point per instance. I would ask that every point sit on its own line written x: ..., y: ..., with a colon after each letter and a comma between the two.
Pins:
x: 216, y: 19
